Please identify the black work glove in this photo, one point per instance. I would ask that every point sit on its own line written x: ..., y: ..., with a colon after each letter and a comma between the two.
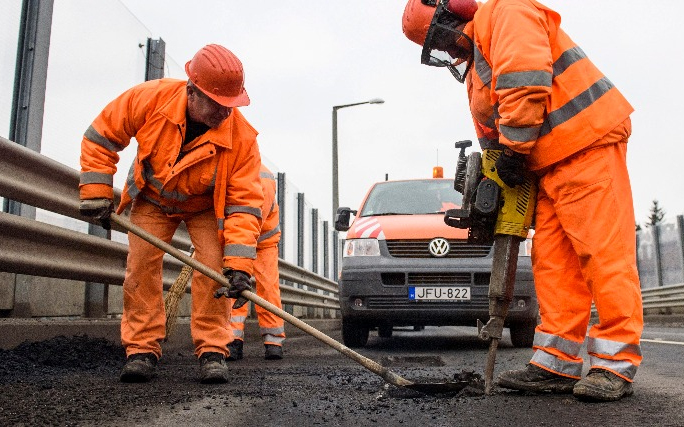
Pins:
x: 239, y: 281
x: 100, y: 209
x: 510, y: 166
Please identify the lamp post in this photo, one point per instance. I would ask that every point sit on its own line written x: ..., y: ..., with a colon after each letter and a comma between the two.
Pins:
x: 335, y: 183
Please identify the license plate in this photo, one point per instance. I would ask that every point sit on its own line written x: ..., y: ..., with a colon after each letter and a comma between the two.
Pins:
x: 439, y: 293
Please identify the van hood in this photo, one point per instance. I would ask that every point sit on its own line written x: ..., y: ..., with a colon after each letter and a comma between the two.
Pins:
x: 395, y: 227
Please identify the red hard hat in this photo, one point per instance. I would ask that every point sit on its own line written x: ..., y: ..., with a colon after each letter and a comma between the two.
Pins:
x: 218, y: 73
x: 418, y: 16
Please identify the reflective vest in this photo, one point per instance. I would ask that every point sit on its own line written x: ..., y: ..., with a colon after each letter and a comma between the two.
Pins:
x: 218, y: 170
x: 532, y: 88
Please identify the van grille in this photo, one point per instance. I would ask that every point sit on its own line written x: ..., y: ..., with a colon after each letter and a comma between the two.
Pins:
x: 439, y: 279
x: 419, y: 249
x: 402, y: 302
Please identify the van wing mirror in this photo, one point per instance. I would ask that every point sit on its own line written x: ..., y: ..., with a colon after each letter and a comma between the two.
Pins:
x: 342, y: 217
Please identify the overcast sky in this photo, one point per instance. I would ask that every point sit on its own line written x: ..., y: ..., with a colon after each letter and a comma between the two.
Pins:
x: 302, y: 58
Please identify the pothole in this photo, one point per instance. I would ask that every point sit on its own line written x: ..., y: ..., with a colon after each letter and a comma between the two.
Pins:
x: 463, y: 384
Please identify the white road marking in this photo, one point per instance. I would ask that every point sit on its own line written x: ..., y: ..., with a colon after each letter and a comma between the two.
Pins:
x: 660, y: 341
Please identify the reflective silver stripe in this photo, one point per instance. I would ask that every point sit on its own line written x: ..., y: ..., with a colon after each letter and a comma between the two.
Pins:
x: 238, y: 250
x: 238, y: 333
x: 266, y: 175
x: 96, y: 178
x: 100, y: 140
x: 270, y: 339
x: 622, y: 367
x: 220, y: 223
x: 279, y: 331
x: 566, y: 59
x: 482, y: 68
x: 148, y: 174
x: 133, y: 189
x: 542, y: 339
x: 523, y: 79
x: 243, y: 209
x: 576, y: 105
x: 491, y: 120
x: 520, y: 134
x: 611, y: 348
x: 555, y: 364
x: 164, y: 209
x: 151, y: 200
x: 268, y: 234
x: 238, y: 319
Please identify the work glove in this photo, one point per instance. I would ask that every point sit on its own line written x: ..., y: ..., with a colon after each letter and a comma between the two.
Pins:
x: 510, y: 166
x: 239, y: 281
x: 100, y: 209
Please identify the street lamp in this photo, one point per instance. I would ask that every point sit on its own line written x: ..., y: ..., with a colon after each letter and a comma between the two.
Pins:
x: 335, y: 183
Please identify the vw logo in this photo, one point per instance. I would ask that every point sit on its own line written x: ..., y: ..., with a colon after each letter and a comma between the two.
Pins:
x: 439, y: 247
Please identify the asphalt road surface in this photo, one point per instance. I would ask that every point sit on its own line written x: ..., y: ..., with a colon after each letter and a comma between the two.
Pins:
x: 74, y: 381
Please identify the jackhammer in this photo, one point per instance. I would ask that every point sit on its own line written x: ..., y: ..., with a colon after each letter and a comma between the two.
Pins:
x: 494, y: 214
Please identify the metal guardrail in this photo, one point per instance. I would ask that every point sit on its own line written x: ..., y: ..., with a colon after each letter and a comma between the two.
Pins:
x: 663, y: 299
x: 38, y: 249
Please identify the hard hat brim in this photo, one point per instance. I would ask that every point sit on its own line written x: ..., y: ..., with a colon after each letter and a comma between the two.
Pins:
x: 241, y: 100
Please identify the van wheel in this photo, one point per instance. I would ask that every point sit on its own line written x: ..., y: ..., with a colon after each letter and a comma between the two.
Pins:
x: 522, y: 334
x: 354, y: 334
x: 385, y: 331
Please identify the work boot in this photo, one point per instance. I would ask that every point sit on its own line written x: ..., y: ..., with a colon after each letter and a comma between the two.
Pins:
x: 534, y: 378
x: 273, y: 352
x: 139, y: 368
x: 235, y: 349
x: 213, y: 369
x: 602, y: 386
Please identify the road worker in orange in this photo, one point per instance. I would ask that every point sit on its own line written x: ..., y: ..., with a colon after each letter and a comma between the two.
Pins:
x: 197, y: 162
x: 535, y: 95
x: 272, y: 327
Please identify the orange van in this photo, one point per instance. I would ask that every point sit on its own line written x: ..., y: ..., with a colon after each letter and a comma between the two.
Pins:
x: 403, y: 266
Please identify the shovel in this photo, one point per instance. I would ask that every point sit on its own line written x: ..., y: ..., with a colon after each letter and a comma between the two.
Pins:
x: 387, y: 375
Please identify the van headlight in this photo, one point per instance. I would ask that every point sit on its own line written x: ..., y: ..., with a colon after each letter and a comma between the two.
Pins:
x: 361, y: 247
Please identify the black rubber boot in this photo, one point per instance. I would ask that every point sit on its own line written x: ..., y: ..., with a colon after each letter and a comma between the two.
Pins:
x: 213, y: 369
x: 139, y: 368
x: 601, y: 385
x: 534, y: 378
x: 273, y: 352
x: 235, y: 349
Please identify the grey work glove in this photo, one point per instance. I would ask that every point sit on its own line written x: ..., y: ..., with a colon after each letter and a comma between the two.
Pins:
x: 239, y: 281
x: 100, y: 209
x: 510, y: 166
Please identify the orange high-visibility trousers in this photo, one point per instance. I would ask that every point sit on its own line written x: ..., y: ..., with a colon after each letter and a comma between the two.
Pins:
x: 585, y: 250
x: 143, y: 320
x: 271, y: 327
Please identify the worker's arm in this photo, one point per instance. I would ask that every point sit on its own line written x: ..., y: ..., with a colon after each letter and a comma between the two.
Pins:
x: 110, y: 132
x: 522, y: 66
x: 244, y: 199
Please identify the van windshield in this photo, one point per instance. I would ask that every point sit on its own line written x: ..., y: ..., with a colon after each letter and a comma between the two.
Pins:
x: 414, y: 197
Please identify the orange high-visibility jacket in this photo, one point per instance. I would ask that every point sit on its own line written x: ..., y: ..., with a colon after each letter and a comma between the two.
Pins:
x: 532, y: 88
x: 270, y: 212
x: 219, y: 169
